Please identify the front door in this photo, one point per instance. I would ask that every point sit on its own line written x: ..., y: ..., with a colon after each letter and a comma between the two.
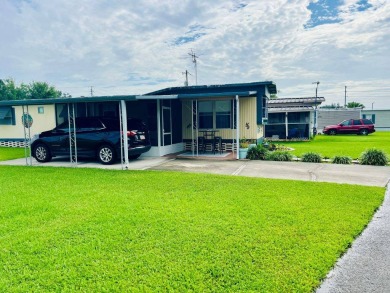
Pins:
x: 167, y: 125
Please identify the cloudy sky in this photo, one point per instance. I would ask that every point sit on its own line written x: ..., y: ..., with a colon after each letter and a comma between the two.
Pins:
x: 135, y: 47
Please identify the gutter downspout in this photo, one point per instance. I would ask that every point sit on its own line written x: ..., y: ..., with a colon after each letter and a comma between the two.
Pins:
x: 192, y: 129
x: 237, y: 127
x: 286, y: 123
x: 158, y: 127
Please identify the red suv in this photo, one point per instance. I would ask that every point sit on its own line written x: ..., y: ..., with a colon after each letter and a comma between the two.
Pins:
x: 356, y: 126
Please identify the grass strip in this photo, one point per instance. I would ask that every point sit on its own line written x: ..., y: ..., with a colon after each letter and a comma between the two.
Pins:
x: 341, y: 145
x: 8, y: 153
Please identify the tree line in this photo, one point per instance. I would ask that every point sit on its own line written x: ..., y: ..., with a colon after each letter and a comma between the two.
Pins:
x: 9, y: 90
x: 338, y: 106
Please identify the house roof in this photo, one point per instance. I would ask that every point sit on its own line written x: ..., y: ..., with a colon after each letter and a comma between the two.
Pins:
x: 307, y: 100
x: 190, y: 92
x: 208, y: 89
x: 291, y: 109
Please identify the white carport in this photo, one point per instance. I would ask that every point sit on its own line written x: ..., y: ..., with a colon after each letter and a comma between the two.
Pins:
x: 70, y: 104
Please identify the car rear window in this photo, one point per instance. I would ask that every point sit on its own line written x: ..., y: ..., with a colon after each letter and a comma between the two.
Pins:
x: 132, y: 124
x: 367, y: 121
x: 111, y: 124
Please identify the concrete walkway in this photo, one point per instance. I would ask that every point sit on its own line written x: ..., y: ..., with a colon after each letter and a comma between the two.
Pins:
x: 366, y: 265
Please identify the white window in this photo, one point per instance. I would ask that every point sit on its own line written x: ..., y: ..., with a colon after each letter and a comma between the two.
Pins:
x: 215, y: 114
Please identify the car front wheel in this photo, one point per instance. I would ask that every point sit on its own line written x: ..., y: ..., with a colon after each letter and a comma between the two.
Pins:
x: 106, y: 155
x: 42, y: 153
x: 332, y: 132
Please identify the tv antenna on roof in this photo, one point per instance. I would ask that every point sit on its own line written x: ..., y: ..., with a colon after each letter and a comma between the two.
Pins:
x: 194, y: 57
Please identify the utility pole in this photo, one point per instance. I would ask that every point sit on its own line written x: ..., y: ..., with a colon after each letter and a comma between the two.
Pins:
x: 91, y: 91
x: 315, y: 110
x: 194, y: 57
x: 345, y: 97
x: 186, y: 74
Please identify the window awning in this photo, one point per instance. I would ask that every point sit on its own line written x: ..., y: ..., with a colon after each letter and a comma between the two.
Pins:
x: 5, y: 112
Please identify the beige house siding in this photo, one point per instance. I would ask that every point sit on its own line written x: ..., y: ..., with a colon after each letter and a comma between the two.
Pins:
x: 41, y: 122
x: 248, y: 119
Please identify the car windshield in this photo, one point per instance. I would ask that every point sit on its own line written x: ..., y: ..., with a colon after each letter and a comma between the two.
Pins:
x: 345, y: 123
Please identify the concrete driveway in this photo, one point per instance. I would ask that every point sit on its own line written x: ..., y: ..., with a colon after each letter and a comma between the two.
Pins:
x: 350, y: 174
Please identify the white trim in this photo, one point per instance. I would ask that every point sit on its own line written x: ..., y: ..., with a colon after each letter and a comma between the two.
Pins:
x: 124, y: 133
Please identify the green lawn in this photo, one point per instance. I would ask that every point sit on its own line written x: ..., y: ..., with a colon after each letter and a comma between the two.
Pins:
x: 343, y: 145
x: 96, y: 230
x: 11, y: 153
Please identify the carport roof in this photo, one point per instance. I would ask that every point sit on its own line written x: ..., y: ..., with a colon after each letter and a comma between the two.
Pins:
x: 124, y: 98
x: 79, y: 100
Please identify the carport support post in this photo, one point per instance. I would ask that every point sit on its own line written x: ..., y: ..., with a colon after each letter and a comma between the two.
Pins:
x: 237, y: 127
x: 27, y: 136
x: 124, y: 134
x: 72, y: 134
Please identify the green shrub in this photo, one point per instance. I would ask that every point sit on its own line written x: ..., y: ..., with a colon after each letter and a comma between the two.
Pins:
x: 374, y: 157
x: 342, y: 160
x: 279, y: 156
x: 257, y: 153
x: 311, y: 157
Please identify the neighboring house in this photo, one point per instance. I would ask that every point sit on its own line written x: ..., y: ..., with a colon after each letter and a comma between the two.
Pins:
x: 381, y: 118
x: 175, y: 116
x: 291, y: 118
x: 335, y: 116
x: 11, y: 127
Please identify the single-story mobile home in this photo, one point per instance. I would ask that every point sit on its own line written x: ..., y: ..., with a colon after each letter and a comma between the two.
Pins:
x: 335, y: 116
x: 381, y: 118
x: 175, y: 116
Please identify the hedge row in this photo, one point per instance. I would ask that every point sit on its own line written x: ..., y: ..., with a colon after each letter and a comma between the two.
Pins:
x: 369, y: 157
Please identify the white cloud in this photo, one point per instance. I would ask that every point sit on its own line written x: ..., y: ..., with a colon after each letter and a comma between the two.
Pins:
x: 131, y: 47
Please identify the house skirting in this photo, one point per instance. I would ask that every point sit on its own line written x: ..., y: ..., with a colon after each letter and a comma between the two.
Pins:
x: 12, y: 142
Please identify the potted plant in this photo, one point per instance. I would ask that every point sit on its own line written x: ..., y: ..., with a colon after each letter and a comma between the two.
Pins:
x: 244, y: 144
